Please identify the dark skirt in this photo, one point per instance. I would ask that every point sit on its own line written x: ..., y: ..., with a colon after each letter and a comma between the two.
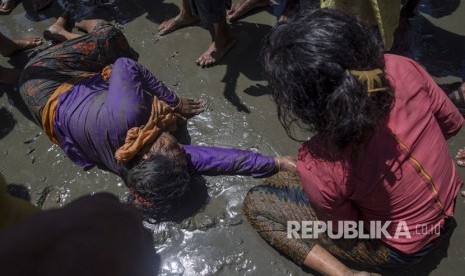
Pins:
x: 269, y: 207
x: 57, y: 64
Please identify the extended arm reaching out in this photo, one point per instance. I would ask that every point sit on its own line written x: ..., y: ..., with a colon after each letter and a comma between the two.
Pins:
x: 228, y: 161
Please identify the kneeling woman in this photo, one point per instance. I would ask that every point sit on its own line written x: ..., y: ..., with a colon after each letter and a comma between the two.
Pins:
x: 379, y: 153
x: 121, y: 118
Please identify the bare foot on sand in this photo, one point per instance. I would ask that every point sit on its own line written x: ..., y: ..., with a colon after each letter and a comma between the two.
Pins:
x: 8, y: 76
x: 57, y: 31
x: 239, y: 9
x: 181, y: 20
x: 18, y: 44
x: 215, y: 53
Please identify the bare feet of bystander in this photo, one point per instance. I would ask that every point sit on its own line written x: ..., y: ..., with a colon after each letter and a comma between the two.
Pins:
x: 181, y: 20
x: 240, y: 9
x: 216, y: 52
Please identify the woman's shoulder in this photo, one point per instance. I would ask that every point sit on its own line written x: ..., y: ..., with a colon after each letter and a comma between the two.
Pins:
x: 406, y: 76
x: 312, y: 160
x: 397, y: 64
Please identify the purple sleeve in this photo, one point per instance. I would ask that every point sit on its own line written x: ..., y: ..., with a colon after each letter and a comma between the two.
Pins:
x: 227, y: 161
x: 131, y: 83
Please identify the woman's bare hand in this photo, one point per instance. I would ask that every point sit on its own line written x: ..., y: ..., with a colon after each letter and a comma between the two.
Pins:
x: 190, y: 107
x: 286, y: 163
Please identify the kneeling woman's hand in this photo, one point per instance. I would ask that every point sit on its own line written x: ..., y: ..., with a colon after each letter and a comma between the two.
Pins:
x: 286, y: 163
x: 190, y: 107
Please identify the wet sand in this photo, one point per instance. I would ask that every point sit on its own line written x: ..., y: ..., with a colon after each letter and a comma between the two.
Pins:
x: 216, y: 240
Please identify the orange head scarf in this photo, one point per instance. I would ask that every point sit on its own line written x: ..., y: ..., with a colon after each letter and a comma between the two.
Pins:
x: 162, y: 118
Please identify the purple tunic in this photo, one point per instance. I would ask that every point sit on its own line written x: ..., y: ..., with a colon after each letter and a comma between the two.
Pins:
x: 93, y: 117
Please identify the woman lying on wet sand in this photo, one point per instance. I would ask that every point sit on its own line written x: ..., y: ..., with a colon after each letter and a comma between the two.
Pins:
x: 122, y: 118
x: 379, y: 153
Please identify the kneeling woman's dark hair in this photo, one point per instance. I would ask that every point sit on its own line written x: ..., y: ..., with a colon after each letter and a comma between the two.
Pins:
x: 157, y: 184
x: 308, y: 61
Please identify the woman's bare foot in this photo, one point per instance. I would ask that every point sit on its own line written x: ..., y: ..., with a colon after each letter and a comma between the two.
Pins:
x: 39, y: 5
x: 239, y: 9
x: 88, y: 25
x: 57, y: 31
x: 8, y: 76
x: 181, y: 20
x: 460, y: 157
x: 18, y: 44
x: 216, y: 52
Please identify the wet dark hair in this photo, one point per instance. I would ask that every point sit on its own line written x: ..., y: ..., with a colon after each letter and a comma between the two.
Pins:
x: 157, y: 184
x: 306, y: 61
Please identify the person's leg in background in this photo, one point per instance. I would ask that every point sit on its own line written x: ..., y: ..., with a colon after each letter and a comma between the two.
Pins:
x: 184, y: 18
x: 213, y: 16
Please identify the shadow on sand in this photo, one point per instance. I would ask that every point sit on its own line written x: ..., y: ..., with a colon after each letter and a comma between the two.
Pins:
x: 245, y: 59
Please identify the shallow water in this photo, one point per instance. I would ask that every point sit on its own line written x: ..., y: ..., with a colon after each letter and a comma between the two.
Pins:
x: 217, y: 240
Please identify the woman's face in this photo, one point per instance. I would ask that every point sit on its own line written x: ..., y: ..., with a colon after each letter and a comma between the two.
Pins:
x: 165, y: 145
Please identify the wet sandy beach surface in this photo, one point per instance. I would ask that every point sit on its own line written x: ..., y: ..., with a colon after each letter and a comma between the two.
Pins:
x: 216, y: 239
